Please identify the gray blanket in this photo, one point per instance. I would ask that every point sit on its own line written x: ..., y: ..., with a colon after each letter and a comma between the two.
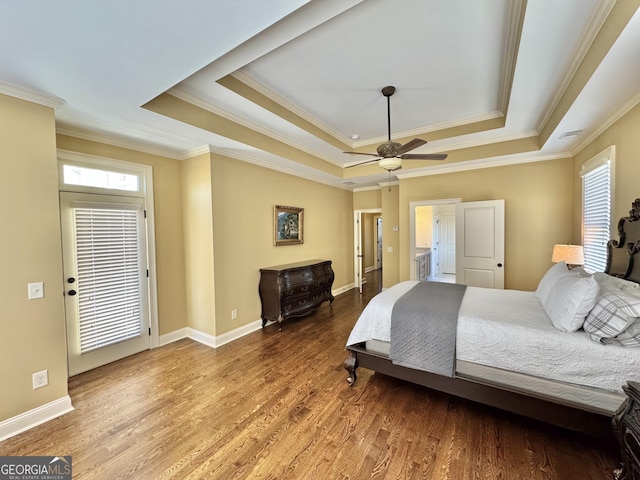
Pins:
x: 423, y: 327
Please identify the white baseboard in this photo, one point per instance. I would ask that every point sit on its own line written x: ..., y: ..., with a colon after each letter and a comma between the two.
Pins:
x: 217, y: 341
x: 208, y: 339
x: 35, y: 417
x: 343, y: 289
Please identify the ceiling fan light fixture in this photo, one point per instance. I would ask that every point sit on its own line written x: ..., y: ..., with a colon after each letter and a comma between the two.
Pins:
x: 390, y: 164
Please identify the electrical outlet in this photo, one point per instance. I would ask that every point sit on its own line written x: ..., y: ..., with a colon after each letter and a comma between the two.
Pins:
x: 40, y: 379
x: 234, y: 314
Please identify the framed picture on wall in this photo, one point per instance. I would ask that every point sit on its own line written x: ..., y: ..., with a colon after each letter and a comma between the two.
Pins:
x: 288, y: 225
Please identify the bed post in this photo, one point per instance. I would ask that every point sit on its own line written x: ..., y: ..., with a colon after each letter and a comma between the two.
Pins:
x: 350, y: 365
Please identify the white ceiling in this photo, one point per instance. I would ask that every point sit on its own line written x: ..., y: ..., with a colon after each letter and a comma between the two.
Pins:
x: 453, y: 62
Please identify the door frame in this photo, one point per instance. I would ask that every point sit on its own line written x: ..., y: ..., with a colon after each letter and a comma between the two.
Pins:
x: 358, y: 269
x: 412, y: 227
x: 145, y: 173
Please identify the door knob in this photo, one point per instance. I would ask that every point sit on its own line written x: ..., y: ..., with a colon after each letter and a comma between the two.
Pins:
x: 72, y: 292
x: 499, y: 265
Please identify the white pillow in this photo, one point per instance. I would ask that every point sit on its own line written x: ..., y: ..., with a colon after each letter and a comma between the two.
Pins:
x: 570, y: 300
x: 608, y: 282
x: 546, y: 283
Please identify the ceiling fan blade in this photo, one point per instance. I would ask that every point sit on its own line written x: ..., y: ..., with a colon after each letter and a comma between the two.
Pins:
x: 423, y: 156
x: 363, y: 163
x: 415, y: 143
x: 360, y: 153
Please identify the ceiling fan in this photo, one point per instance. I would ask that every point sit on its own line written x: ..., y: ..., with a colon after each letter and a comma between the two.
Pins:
x: 390, y: 154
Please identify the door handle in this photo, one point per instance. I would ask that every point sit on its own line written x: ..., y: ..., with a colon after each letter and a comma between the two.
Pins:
x: 499, y: 265
x: 72, y: 292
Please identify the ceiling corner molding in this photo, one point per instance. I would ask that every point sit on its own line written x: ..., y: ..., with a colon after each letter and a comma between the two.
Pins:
x: 286, y: 104
x: 195, y: 152
x: 481, y: 164
x: 367, y: 189
x: 602, y: 127
x: 596, y: 23
x: 186, y: 95
x: 314, y: 177
x: 29, y: 95
x: 512, y: 46
x: 118, y: 142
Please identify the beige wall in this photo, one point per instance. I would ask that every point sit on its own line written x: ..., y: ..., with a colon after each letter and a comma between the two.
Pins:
x: 199, y: 243
x: 538, y: 202
x: 32, y: 334
x: 390, y: 236
x: 424, y: 226
x: 624, y: 135
x: 243, y: 199
x: 367, y: 199
x: 168, y: 210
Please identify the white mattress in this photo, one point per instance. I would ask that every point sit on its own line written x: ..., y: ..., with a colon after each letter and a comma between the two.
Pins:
x: 508, y: 330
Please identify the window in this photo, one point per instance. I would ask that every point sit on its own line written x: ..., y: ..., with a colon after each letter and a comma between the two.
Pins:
x: 596, y: 209
x: 92, y: 177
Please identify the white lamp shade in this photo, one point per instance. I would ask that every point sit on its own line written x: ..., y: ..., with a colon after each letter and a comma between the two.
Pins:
x: 571, y: 254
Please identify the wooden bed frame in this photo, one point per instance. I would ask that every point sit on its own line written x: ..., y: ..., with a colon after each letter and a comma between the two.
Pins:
x: 620, y: 263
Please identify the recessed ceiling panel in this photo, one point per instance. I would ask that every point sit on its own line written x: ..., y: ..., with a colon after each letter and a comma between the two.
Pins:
x: 445, y: 57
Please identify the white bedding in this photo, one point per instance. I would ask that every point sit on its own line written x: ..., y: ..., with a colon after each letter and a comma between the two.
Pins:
x: 509, y: 330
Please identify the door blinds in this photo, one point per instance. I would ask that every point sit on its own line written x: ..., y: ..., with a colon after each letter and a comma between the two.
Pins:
x: 596, y: 217
x: 109, y: 276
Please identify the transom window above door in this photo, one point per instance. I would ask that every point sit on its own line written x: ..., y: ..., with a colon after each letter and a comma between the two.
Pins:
x: 92, y: 177
x: 89, y: 174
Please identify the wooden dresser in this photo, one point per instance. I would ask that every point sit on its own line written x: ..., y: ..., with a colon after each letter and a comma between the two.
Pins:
x: 626, y: 425
x: 295, y: 289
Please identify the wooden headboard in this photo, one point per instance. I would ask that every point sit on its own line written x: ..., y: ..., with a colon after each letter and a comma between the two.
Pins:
x: 621, y: 254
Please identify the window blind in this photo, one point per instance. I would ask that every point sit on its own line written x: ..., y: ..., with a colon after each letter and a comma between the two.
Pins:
x: 596, y: 216
x: 109, y: 276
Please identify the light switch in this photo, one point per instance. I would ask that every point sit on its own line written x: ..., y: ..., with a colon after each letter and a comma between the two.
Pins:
x: 389, y: 249
x: 36, y: 290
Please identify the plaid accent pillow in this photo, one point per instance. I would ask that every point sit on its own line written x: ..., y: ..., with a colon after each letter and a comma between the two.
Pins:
x: 613, y: 313
x: 629, y: 338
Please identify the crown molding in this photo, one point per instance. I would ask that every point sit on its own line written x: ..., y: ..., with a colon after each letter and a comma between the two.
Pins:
x: 596, y: 23
x: 29, y: 95
x: 367, y: 189
x: 512, y: 43
x: 432, y: 128
x: 188, y: 96
x: 279, y: 168
x: 602, y: 127
x: 196, y: 152
x: 481, y: 164
x: 271, y: 95
x: 121, y: 142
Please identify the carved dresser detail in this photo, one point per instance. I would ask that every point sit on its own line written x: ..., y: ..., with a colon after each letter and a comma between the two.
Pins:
x: 626, y: 425
x: 294, y: 290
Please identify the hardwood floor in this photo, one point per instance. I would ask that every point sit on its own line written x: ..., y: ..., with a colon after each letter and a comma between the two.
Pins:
x: 275, y: 405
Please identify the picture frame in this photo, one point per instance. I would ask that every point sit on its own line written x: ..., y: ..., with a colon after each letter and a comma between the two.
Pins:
x: 288, y: 225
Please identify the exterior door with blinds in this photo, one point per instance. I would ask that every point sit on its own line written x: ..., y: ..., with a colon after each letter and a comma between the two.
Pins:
x: 106, y: 285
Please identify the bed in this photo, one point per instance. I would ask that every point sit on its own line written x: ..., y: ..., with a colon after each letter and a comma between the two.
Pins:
x: 560, y: 354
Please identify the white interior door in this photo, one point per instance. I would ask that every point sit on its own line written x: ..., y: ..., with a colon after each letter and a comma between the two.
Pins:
x: 106, y: 284
x: 357, y: 247
x: 480, y: 243
x: 379, y: 242
x: 447, y: 242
